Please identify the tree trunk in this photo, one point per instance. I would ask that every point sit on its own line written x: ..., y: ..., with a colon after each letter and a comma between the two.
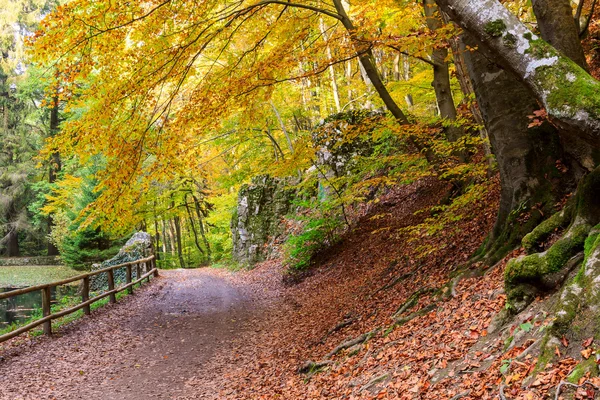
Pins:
x: 53, y: 170
x: 558, y: 27
x: 441, y: 74
x: 12, y: 244
x: 531, y: 183
x: 466, y: 87
x: 565, y: 90
x: 177, y: 223
x: 365, y: 56
x: 441, y: 78
x: 334, y: 86
x: 192, y: 225
x: 283, y: 128
x: 201, y: 226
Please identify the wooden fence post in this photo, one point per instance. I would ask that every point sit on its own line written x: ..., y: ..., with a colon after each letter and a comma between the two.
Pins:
x: 85, y: 294
x: 153, y: 265
x: 46, y: 298
x: 130, y: 288
x: 111, y: 285
x: 138, y: 270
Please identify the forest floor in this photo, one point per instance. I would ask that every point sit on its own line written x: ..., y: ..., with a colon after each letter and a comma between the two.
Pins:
x: 212, y: 334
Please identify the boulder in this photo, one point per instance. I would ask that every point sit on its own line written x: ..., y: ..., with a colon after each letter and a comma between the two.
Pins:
x: 137, y: 247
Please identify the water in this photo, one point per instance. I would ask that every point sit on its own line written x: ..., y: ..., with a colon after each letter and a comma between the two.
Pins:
x: 20, y: 308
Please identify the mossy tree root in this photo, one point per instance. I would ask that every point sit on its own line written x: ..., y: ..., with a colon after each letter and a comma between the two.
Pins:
x: 526, y: 276
x: 532, y: 241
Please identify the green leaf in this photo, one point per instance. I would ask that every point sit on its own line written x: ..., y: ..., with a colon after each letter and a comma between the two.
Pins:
x: 526, y: 327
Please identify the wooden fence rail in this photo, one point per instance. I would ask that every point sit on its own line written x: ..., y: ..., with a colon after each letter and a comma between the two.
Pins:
x: 149, y: 265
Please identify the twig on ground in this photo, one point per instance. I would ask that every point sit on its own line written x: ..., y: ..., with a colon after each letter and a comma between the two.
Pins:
x: 501, y: 394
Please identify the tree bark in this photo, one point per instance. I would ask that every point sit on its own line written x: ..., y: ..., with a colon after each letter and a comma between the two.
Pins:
x: 201, y: 226
x: 365, y: 56
x: 441, y: 74
x: 334, y: 86
x: 563, y: 88
x: 558, y: 27
x: 53, y: 170
x: 531, y: 183
x: 12, y: 244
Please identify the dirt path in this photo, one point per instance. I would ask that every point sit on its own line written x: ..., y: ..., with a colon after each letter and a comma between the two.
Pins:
x: 146, y: 347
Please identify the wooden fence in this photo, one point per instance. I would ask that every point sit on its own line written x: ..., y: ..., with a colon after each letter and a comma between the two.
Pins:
x: 145, y: 267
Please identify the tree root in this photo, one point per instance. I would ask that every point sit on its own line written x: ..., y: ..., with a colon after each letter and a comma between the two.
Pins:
x: 310, y: 367
x: 411, y: 301
x: 526, y: 276
x: 394, y: 281
x: 461, y: 395
x: 352, y: 342
x: 374, y: 382
x: 423, y: 311
x: 346, y: 322
x: 563, y: 383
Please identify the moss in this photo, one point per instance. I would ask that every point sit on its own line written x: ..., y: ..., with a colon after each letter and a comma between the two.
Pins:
x: 570, y: 89
x: 559, y: 220
x: 528, y: 36
x: 510, y: 40
x: 539, y: 49
x: 583, y: 368
x: 495, y: 28
x: 536, y: 265
x: 523, y: 273
x: 546, y: 355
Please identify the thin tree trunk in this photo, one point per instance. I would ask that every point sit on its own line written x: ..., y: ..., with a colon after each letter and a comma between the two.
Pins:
x: 441, y: 78
x: 177, y: 223
x: 466, y: 87
x: 334, y: 86
x: 53, y: 170
x: 283, y: 128
x: 201, y: 226
x: 12, y: 244
x: 365, y: 57
x: 192, y: 225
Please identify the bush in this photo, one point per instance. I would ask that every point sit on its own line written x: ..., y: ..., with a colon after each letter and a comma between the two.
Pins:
x: 320, y: 226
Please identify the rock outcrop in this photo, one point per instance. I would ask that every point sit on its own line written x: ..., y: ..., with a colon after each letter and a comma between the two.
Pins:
x: 257, y: 223
x: 137, y: 247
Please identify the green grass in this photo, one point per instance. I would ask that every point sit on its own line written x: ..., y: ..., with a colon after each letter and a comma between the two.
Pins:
x: 34, y: 275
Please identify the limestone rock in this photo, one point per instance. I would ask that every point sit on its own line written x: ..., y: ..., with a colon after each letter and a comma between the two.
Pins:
x: 256, y: 224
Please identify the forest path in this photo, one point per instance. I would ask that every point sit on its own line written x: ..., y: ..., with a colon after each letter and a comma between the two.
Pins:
x: 146, y: 347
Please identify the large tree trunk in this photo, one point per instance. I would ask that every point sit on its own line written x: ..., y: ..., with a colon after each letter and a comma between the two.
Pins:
x: 531, y: 183
x: 565, y: 90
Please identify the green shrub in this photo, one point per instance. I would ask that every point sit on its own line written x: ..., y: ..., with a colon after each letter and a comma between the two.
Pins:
x: 320, y: 227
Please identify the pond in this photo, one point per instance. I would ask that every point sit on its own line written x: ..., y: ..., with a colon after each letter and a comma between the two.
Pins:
x: 20, y: 308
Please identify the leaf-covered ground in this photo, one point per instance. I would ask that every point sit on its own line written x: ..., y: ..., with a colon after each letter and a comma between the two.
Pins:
x: 27, y: 275
x: 208, y: 334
